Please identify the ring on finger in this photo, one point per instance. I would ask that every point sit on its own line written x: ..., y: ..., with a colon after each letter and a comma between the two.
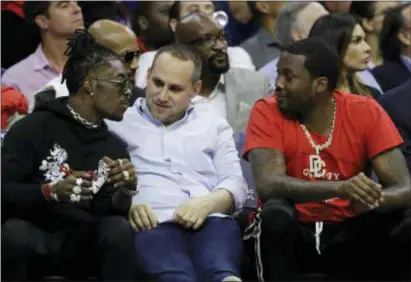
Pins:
x: 79, y: 181
x: 76, y: 190
x: 126, y: 175
x: 74, y: 198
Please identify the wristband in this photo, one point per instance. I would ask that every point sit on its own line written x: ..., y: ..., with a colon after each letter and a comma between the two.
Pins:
x: 48, y: 191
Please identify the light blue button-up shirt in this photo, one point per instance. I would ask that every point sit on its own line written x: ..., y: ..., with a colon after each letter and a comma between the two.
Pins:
x: 190, y: 158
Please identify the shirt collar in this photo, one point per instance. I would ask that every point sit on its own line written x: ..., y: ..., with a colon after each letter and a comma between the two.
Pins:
x: 142, y: 108
x: 407, y: 62
x: 40, y: 60
x: 220, y: 84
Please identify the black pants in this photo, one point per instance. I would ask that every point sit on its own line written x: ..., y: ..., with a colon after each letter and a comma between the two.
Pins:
x: 370, y: 246
x: 103, y: 247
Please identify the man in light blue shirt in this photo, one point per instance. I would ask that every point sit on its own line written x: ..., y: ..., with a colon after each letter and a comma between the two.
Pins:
x: 189, y: 177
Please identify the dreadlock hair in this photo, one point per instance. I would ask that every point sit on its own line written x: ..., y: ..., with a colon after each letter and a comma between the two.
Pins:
x: 84, y: 55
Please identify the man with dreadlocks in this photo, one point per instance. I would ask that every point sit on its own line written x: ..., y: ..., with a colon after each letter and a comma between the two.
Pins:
x: 67, y: 183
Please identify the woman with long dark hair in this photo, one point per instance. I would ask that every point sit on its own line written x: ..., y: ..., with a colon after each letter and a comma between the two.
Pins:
x: 343, y: 31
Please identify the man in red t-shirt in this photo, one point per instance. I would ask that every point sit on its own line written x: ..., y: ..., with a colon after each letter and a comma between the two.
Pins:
x: 311, y: 149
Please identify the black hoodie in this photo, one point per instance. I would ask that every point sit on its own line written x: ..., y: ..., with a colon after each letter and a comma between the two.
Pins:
x: 38, y: 149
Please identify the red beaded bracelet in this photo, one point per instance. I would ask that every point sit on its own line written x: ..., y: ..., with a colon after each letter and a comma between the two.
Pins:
x: 48, y: 191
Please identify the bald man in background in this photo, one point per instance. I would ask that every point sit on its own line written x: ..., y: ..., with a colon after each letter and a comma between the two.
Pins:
x: 114, y: 36
x: 227, y: 91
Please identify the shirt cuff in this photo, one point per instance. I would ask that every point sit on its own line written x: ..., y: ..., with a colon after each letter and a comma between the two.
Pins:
x: 238, y: 189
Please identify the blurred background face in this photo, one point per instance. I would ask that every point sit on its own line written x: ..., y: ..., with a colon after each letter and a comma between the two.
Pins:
x: 240, y: 11
x: 293, y: 86
x: 112, y: 90
x: 357, y: 55
x: 405, y: 32
x: 158, y: 30
x: 169, y: 92
x: 338, y: 6
x: 308, y: 16
x: 380, y: 8
x: 64, y: 17
x: 190, y: 7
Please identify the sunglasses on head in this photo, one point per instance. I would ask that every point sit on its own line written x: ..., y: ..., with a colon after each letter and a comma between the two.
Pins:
x: 130, y: 55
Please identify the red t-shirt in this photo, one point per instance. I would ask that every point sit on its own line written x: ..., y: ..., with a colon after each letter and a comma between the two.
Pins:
x: 362, y: 130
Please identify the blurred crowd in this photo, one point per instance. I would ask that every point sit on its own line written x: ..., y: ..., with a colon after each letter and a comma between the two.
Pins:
x: 187, y: 121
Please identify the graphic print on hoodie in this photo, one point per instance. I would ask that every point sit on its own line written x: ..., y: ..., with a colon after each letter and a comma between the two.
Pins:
x: 41, y: 148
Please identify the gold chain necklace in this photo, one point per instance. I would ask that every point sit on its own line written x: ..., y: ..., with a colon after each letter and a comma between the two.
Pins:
x: 80, y: 119
x: 316, y: 147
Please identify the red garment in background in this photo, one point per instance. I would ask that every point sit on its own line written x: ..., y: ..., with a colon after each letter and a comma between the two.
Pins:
x: 12, y: 101
x: 13, y: 6
x: 141, y: 45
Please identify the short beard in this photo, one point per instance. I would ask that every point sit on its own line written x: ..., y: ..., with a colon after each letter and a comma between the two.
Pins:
x: 218, y: 69
x: 292, y: 115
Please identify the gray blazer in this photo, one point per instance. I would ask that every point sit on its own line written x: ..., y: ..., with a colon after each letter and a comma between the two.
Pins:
x: 243, y: 88
x: 258, y: 49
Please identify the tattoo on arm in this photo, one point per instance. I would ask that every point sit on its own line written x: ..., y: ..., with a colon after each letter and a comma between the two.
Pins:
x: 269, y: 171
x: 392, y: 171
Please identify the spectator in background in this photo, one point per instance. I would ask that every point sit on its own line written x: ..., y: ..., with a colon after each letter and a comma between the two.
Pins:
x: 395, y: 45
x: 150, y: 23
x: 396, y: 103
x: 337, y: 6
x: 97, y: 10
x: 227, y: 91
x: 294, y: 22
x: 241, y: 22
x: 57, y: 21
x: 257, y: 46
x: 14, y: 106
x: 189, y: 175
x: 114, y: 36
x: 343, y: 32
x: 240, y: 10
x: 20, y: 38
x: 180, y: 9
x: 371, y: 15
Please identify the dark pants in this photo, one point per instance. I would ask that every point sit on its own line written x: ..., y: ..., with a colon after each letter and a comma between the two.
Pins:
x: 370, y: 246
x: 104, y: 247
x: 172, y: 253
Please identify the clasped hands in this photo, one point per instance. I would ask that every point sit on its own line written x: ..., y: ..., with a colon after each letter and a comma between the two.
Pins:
x: 76, y: 188
x: 191, y: 215
x: 363, y: 193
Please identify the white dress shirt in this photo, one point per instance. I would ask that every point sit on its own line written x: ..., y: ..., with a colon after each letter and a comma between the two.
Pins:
x: 215, y: 103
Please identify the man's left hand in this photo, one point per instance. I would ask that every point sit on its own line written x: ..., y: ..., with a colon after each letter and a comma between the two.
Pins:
x: 121, y: 173
x: 192, y: 213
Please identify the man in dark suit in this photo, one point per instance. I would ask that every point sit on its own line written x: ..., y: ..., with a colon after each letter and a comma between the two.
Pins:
x: 396, y: 103
x: 395, y: 45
